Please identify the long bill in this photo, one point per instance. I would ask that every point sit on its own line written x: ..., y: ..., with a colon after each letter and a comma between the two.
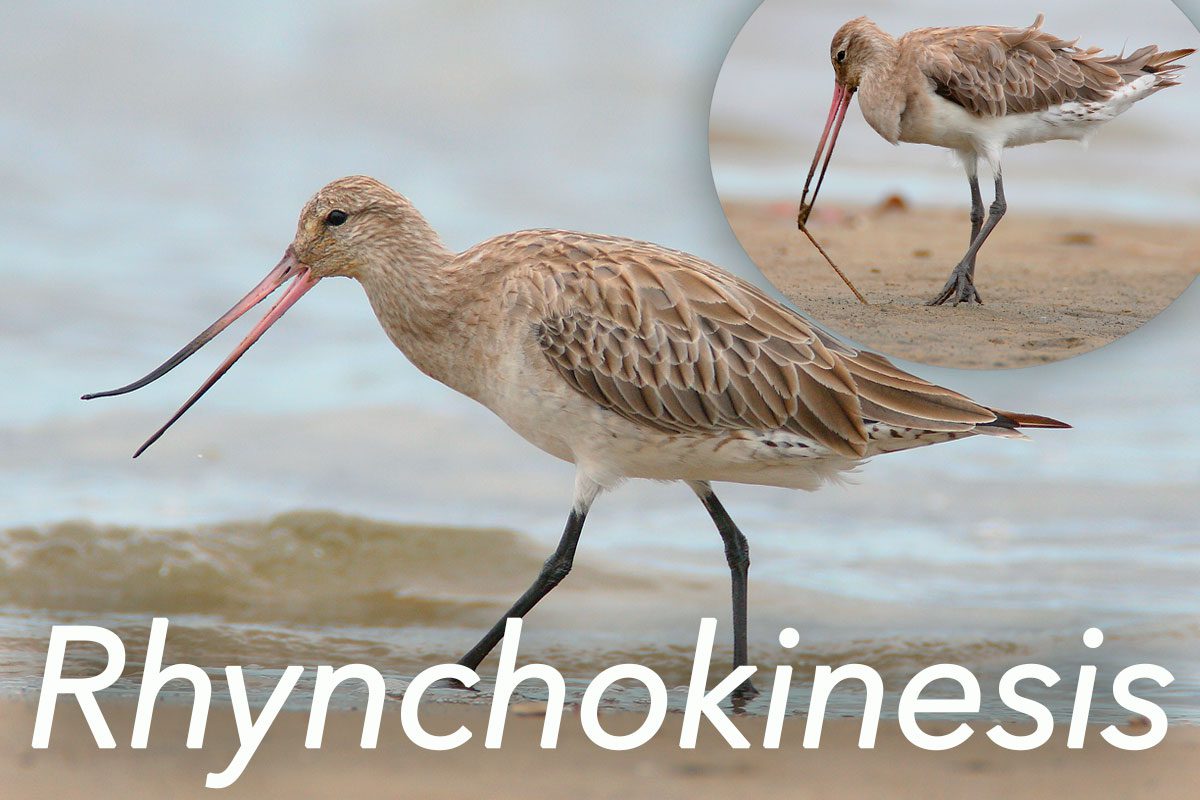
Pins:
x: 837, y: 115
x: 288, y: 268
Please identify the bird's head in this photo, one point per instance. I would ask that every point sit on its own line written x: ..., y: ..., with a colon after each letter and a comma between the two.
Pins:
x: 354, y: 227
x: 350, y: 225
x: 855, y: 48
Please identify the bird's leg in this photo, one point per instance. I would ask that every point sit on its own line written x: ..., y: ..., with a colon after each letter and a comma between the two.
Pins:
x: 737, y: 555
x: 960, y: 288
x: 553, y: 571
x: 976, y: 216
x: 995, y: 213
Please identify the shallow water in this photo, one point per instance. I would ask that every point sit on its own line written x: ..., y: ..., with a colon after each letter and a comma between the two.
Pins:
x: 136, y: 217
x: 313, y: 588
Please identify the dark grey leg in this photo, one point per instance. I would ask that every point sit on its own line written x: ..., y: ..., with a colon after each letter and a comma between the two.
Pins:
x: 995, y: 213
x: 976, y: 215
x: 737, y: 555
x: 960, y: 288
x: 553, y: 571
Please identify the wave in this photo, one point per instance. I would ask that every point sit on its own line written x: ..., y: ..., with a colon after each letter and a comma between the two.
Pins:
x: 316, y: 567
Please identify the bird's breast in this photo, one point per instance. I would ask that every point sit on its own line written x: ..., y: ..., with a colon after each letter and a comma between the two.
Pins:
x: 931, y: 119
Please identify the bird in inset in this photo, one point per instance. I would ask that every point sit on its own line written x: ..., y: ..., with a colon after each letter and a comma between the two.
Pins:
x: 625, y: 358
x: 978, y: 90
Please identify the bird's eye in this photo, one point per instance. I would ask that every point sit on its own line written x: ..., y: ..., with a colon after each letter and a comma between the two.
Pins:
x: 841, y: 56
x: 336, y: 217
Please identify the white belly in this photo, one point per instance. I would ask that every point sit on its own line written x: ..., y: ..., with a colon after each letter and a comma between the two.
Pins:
x: 609, y: 448
x: 940, y: 122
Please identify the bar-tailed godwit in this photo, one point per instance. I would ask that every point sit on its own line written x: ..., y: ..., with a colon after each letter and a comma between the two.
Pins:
x: 624, y: 358
x: 978, y: 90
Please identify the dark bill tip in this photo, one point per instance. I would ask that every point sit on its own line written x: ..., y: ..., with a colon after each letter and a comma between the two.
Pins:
x: 301, y: 283
x: 286, y: 267
x: 833, y: 124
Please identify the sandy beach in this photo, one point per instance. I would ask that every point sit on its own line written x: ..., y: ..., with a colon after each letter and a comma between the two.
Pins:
x: 282, y: 767
x: 1053, y: 286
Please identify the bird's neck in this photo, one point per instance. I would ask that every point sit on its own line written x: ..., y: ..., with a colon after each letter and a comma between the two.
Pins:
x: 881, y: 92
x: 417, y: 295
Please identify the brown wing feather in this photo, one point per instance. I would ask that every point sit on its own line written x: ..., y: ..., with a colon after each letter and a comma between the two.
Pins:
x: 670, y: 341
x: 992, y: 71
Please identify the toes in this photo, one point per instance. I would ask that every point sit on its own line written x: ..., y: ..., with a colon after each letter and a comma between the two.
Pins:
x: 959, y: 289
x: 947, y: 292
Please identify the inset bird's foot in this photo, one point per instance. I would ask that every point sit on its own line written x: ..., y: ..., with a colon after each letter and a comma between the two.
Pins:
x: 959, y: 289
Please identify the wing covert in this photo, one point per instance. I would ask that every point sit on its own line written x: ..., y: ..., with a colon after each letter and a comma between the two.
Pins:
x: 670, y: 341
x: 993, y: 71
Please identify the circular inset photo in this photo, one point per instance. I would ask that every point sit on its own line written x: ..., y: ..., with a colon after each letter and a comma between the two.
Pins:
x: 915, y: 176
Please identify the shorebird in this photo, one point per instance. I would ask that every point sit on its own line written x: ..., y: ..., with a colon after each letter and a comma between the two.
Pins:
x: 978, y: 90
x: 622, y: 357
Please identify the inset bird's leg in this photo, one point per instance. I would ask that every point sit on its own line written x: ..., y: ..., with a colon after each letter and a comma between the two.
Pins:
x: 976, y: 217
x: 737, y: 555
x: 961, y: 286
x: 552, y: 573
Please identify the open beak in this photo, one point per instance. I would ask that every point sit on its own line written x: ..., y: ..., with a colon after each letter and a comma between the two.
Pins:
x: 837, y: 114
x: 287, y: 268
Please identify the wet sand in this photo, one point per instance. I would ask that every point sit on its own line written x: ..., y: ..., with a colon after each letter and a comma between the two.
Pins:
x: 1053, y: 287
x: 282, y: 767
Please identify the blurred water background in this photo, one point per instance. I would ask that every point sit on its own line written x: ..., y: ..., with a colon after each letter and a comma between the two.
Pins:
x: 327, y: 504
